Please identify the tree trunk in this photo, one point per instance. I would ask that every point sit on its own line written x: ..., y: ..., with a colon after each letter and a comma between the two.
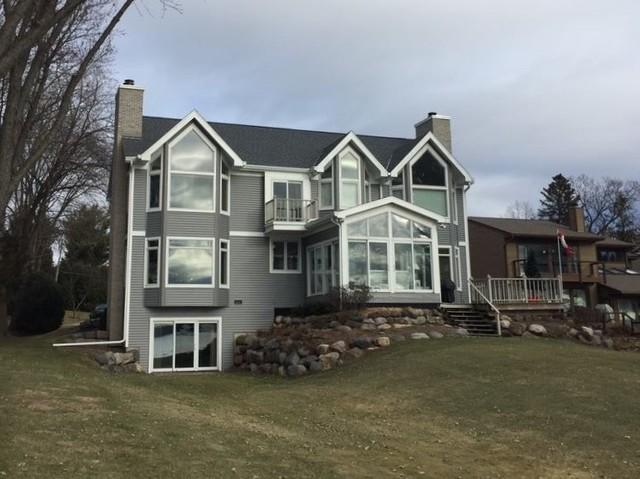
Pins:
x: 4, y: 317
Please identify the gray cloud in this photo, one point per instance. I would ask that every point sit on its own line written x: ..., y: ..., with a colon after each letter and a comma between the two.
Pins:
x: 534, y: 88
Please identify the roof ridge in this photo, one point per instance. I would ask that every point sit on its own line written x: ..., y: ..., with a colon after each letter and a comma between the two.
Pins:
x: 287, y: 128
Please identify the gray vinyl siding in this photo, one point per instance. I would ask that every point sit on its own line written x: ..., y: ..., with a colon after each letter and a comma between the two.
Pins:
x: 186, y: 223
x: 247, y: 203
x: 187, y: 297
x: 139, y: 199
x: 154, y: 224
x: 259, y: 292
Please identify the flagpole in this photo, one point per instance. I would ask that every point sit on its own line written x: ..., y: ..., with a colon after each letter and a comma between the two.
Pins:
x: 559, y: 261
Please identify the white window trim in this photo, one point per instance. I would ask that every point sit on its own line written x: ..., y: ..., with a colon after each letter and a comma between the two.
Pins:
x: 334, y: 243
x: 456, y: 254
x: 192, y: 173
x: 445, y: 188
x: 213, y: 262
x: 146, y: 262
x: 228, y: 263
x: 343, y: 153
x: 196, y: 345
x: 285, y: 271
x: 154, y: 157
x: 228, y: 178
x: 454, y: 205
x: 433, y: 242
x: 330, y: 182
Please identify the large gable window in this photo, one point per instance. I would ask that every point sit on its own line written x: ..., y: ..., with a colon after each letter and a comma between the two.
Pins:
x: 390, y: 252
x: 192, y: 167
x: 429, y: 179
x: 349, y: 180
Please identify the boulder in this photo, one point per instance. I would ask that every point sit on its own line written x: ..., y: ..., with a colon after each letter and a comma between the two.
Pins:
x: 384, y: 327
x: 282, y: 371
x: 505, y: 323
x: 315, y: 366
x: 322, y: 348
x: 461, y: 332
x: 538, y: 329
x: 368, y: 321
x: 404, y: 320
x: 293, y: 359
x: 238, y: 359
x: 436, y: 335
x: 398, y: 337
x: 361, y: 342
x: 329, y: 360
x: 278, y: 319
x: 339, y: 346
x: 597, y: 340
x: 401, y: 326
x: 608, y: 343
x: 572, y: 333
x: 266, y: 368
x: 383, y: 341
x: 296, y: 370
x: 517, y: 329
x: 355, y: 353
x: 121, y: 359
x: 419, y: 336
x: 254, y: 368
x: 273, y: 343
x: 133, y: 368
x: 368, y: 327
x: 343, y: 328
x: 303, y: 351
x: 255, y: 356
x: 419, y: 321
x: 104, y: 358
x: 380, y: 320
x: 587, y: 332
x: 413, y: 312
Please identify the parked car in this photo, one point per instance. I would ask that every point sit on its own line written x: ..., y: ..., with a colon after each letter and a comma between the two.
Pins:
x: 98, y: 317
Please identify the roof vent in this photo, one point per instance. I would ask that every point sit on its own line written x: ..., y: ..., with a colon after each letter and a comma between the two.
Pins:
x: 129, y: 81
x: 433, y: 113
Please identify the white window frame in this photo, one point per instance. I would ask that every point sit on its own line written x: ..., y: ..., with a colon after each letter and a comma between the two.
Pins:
x: 192, y: 173
x: 454, y: 205
x: 341, y: 181
x: 456, y: 254
x: 213, y: 262
x: 285, y: 271
x: 226, y: 177
x: 227, y: 249
x: 399, y: 187
x: 196, y: 343
x: 146, y: 261
x: 330, y: 182
x: 391, y: 241
x: 158, y: 154
x: 444, y: 188
x: 334, y: 271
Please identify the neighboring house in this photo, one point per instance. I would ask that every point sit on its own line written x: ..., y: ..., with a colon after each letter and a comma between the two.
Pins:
x: 598, y: 271
x: 217, y: 226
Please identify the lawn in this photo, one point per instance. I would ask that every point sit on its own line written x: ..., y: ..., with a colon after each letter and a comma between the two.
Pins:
x: 448, y: 408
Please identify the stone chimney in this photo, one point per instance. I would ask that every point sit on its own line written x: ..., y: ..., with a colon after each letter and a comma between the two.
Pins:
x: 576, y: 219
x: 439, y: 125
x: 128, y: 123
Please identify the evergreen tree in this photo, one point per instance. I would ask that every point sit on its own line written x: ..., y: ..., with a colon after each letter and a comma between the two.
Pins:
x: 556, y: 200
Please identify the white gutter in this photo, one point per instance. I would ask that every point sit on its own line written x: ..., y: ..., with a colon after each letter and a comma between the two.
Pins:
x: 127, y: 288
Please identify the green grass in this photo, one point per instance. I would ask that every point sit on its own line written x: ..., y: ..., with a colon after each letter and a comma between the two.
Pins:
x: 450, y: 408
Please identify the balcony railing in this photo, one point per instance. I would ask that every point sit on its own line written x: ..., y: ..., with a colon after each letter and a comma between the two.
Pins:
x: 290, y: 210
x: 572, y: 270
x: 517, y: 290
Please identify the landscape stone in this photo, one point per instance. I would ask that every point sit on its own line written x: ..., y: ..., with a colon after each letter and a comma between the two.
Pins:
x: 339, y: 346
x: 380, y: 320
x: 461, y: 332
x: 315, y: 366
x: 121, y: 359
x: 419, y: 336
x: 361, y: 342
x: 355, y: 353
x: 383, y: 341
x: 436, y: 335
x: 384, y: 327
x: 538, y: 329
x: 398, y: 337
x: 329, y: 360
x: 587, y: 332
x: 296, y: 370
x: 420, y: 320
x: 343, y: 328
x: 322, y: 348
x: 517, y: 329
x: 368, y: 327
x: 292, y: 359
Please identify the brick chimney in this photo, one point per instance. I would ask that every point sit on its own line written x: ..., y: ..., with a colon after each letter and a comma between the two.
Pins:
x: 128, y: 123
x: 439, y: 125
x: 576, y: 219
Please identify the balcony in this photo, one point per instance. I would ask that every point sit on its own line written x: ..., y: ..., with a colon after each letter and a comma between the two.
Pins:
x: 573, y: 271
x: 285, y: 214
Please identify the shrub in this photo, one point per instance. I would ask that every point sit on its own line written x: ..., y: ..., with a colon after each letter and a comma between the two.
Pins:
x: 353, y: 298
x: 38, y: 306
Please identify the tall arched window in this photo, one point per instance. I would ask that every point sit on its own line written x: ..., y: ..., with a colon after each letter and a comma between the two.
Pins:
x: 429, y: 184
x: 192, y: 171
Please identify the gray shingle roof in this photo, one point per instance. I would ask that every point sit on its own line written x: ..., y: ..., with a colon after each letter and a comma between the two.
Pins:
x: 535, y: 228
x: 270, y: 146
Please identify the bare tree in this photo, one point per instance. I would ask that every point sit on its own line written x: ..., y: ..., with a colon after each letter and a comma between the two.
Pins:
x: 610, y: 205
x: 520, y: 210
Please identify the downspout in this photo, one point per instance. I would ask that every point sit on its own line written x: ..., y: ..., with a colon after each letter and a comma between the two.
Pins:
x: 127, y: 288
x: 338, y: 222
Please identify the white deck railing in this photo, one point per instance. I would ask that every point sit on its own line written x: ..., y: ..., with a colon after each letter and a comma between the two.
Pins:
x: 290, y: 210
x: 517, y: 290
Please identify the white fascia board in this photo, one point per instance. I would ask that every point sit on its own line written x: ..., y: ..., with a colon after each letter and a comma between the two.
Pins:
x: 351, y: 137
x: 199, y: 119
x: 390, y: 200
x: 430, y: 137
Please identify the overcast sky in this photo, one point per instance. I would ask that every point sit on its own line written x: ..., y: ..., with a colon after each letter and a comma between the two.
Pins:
x: 534, y: 87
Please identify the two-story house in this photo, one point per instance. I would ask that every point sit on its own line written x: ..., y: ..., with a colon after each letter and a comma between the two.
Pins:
x: 597, y: 270
x: 215, y: 226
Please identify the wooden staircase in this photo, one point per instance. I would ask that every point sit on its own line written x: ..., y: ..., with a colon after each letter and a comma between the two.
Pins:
x: 474, y: 319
